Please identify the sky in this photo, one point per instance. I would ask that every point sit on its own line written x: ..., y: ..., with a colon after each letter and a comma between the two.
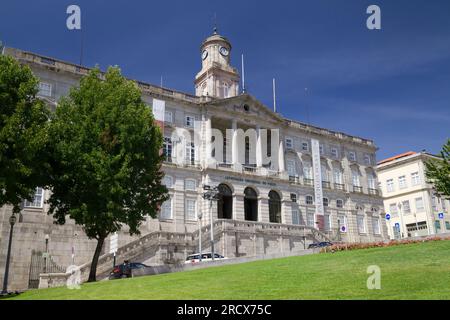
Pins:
x: 390, y: 85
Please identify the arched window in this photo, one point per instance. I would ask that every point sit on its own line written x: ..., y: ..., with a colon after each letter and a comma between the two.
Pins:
x: 274, y: 207
x: 250, y: 204
x: 225, y: 203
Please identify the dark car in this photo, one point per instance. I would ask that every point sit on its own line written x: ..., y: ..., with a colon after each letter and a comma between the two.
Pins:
x: 124, y: 270
x: 320, y: 245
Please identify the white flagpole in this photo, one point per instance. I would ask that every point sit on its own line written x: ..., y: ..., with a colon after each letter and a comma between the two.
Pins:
x: 274, y: 96
x: 243, y: 74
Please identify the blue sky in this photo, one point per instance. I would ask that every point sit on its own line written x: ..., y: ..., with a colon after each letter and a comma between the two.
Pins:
x: 391, y: 85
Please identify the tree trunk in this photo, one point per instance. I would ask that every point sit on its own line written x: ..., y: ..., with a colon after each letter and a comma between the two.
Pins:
x: 93, y: 271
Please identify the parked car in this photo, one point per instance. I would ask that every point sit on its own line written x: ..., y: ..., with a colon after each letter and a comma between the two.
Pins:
x: 124, y: 270
x: 320, y: 244
x: 195, y: 258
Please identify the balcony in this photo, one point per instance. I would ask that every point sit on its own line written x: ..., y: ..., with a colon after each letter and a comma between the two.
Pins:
x: 357, y: 189
x: 326, y: 184
x: 339, y: 186
x: 308, y: 182
x: 294, y: 179
x: 225, y: 165
x: 249, y: 169
x: 374, y: 192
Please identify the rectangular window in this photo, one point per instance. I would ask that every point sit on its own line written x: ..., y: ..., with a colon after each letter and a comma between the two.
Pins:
x: 376, y: 225
x: 191, y: 210
x: 419, y: 204
x: 371, y: 181
x: 367, y: 160
x: 168, y: 116
x: 290, y: 164
x: 342, y: 223
x: 406, y: 207
x: 361, y: 223
x: 321, y: 149
x: 390, y: 185
x: 167, y: 148
x: 393, y: 208
x: 334, y: 153
x: 190, y: 184
x: 167, y: 181
x: 307, y: 171
x: 437, y: 225
x: 339, y: 203
x: 402, y: 182
x: 310, y: 219
x: 289, y: 143
x: 337, y: 173
x: 189, y: 121
x: 293, y: 197
x: 327, y: 222
x: 355, y: 178
x: 447, y: 225
x: 325, y: 202
x: 305, y: 146
x: 190, y: 153
x: 415, y: 179
x: 166, y: 210
x: 309, y: 200
x: 352, y: 156
x: 324, y: 171
x: 45, y: 89
x: 38, y: 199
x: 295, y: 217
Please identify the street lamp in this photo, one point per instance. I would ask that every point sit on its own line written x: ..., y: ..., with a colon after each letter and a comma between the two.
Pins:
x: 12, y: 221
x: 46, y: 252
x: 199, y: 216
x: 211, y: 194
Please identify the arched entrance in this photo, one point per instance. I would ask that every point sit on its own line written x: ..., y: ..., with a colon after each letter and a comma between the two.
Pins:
x: 274, y: 207
x: 225, y: 203
x: 250, y: 204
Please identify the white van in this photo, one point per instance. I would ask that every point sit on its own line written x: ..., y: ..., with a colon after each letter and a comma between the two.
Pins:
x: 195, y: 258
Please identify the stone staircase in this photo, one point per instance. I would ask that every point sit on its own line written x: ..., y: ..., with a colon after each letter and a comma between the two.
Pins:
x: 232, y: 238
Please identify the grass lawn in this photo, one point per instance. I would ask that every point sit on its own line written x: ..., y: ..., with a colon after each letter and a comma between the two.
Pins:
x: 416, y: 271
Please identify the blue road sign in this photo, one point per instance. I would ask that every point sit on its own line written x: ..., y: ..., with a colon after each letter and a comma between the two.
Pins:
x: 388, y: 216
x: 441, y: 215
x: 397, y: 225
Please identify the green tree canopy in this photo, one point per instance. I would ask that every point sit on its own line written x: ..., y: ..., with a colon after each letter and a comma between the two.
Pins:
x: 438, y: 172
x: 106, y: 158
x: 23, y: 134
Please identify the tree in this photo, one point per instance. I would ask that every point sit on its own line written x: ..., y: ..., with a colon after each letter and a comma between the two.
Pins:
x: 438, y: 172
x: 23, y: 134
x: 106, y: 158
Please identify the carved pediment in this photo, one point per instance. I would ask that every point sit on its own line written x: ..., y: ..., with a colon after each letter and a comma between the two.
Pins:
x: 246, y: 106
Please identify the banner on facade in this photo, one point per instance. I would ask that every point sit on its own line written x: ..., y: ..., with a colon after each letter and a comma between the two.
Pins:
x: 159, y: 108
x: 317, y: 174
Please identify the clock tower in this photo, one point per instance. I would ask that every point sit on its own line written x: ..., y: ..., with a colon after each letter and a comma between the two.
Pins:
x: 217, y: 78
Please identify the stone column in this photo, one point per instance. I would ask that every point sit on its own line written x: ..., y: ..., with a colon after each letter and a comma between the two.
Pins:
x: 234, y: 144
x: 258, y: 147
x: 281, y: 168
x: 208, y: 137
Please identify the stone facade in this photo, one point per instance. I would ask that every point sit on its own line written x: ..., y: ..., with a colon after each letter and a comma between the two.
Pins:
x: 281, y: 195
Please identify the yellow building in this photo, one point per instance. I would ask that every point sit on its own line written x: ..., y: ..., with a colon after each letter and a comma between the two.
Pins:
x: 410, y: 202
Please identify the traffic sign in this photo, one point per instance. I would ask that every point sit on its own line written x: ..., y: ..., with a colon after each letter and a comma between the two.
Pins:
x: 441, y: 215
x: 397, y: 225
x: 388, y: 216
x: 343, y: 229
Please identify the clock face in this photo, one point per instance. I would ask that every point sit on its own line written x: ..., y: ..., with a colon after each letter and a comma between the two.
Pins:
x: 204, y: 54
x: 223, y: 51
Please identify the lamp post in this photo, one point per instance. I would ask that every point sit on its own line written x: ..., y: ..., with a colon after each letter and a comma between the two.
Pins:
x: 46, y: 252
x: 211, y: 194
x: 199, y: 216
x: 12, y: 221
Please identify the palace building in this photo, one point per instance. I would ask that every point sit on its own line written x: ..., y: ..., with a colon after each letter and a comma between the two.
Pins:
x: 282, y: 184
